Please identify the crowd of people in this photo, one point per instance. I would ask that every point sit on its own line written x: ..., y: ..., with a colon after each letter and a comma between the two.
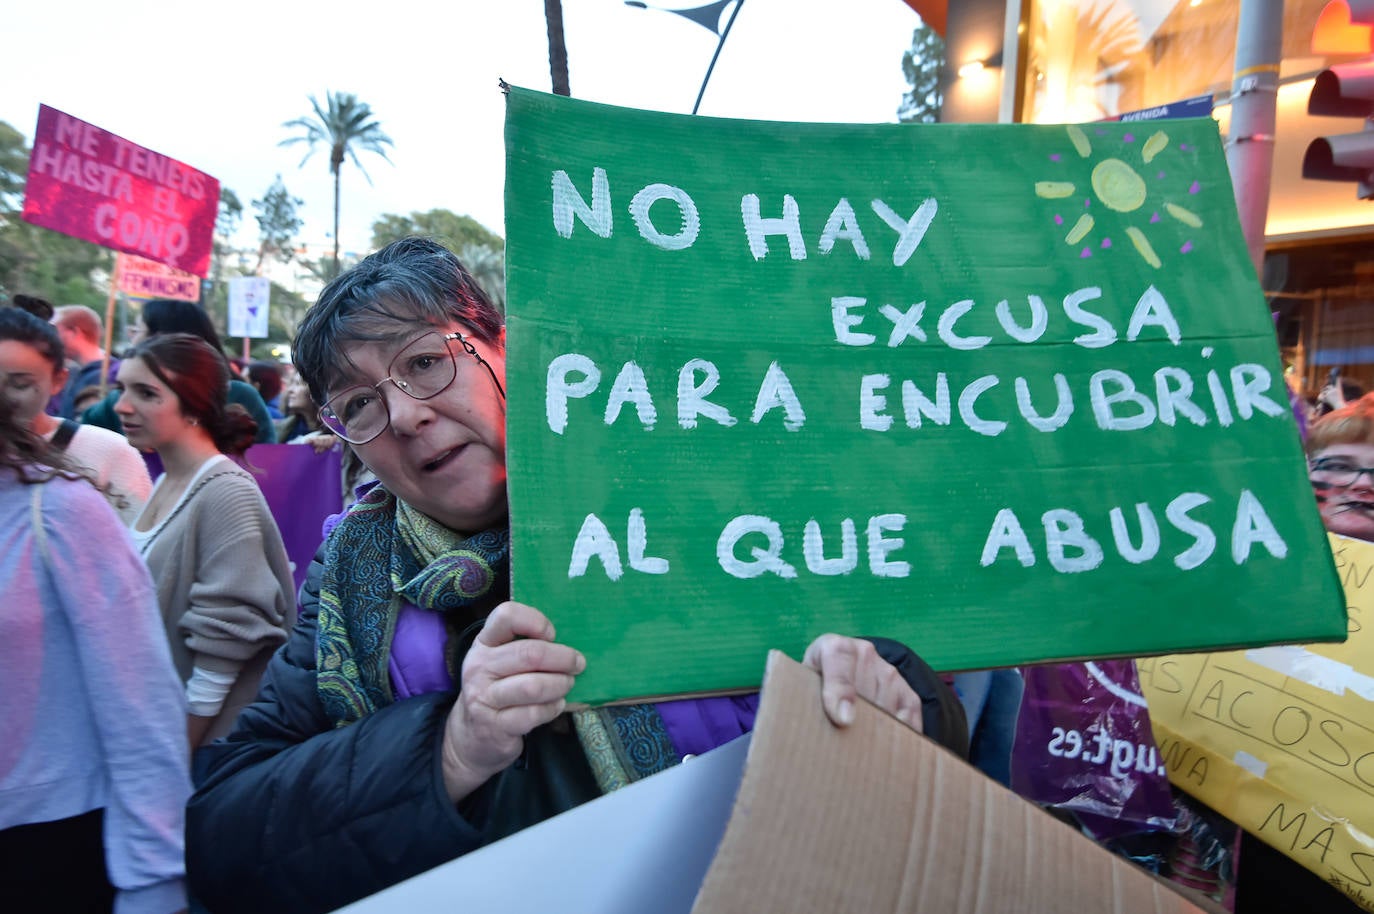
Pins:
x: 145, y: 623
x: 399, y: 710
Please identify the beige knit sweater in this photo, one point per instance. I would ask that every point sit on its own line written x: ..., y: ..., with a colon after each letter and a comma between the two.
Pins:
x: 110, y: 462
x: 223, y: 582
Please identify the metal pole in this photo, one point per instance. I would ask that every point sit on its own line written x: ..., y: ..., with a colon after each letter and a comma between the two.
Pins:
x: 1254, y: 100
x: 109, y: 324
x: 558, y: 47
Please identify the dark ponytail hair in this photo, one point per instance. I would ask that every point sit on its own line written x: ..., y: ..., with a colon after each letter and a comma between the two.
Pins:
x: 199, y: 376
x: 167, y: 315
x: 40, y: 308
x: 23, y: 327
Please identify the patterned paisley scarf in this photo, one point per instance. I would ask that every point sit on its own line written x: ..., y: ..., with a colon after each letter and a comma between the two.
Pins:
x: 382, y: 554
x: 385, y: 553
x: 624, y: 743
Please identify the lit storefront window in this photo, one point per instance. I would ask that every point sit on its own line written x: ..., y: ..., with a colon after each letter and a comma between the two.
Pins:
x: 1092, y: 59
x: 1086, y: 60
x: 1326, y: 314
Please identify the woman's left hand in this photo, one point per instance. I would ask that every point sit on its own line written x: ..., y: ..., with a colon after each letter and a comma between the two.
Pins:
x: 851, y: 668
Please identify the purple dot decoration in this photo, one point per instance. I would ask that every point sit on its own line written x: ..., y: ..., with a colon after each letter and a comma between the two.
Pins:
x: 1128, y: 138
x: 1184, y: 147
x: 1187, y: 246
x: 1160, y: 176
x: 1106, y: 243
x: 1194, y: 188
x: 1087, y: 203
x: 1087, y: 252
x: 1055, y: 157
x: 1154, y: 217
x: 1058, y: 219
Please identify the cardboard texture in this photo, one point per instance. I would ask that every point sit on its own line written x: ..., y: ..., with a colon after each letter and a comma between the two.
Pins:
x: 932, y: 382
x: 1281, y: 740
x: 879, y: 819
x: 870, y: 820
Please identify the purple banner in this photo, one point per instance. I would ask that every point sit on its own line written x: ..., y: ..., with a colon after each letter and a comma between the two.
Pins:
x: 302, y: 488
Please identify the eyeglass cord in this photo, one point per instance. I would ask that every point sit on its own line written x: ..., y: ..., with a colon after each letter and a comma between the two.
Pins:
x: 472, y: 351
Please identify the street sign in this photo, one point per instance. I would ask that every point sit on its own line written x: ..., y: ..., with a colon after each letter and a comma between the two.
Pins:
x: 1197, y: 106
x: 248, y: 303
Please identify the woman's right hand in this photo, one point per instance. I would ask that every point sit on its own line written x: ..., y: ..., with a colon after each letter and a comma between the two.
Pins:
x: 515, y: 678
x: 320, y: 441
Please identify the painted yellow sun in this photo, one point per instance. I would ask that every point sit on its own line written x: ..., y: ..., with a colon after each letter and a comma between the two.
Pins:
x: 1119, y: 186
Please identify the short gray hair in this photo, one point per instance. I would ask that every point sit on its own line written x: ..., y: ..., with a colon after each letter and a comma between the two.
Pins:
x: 413, y: 280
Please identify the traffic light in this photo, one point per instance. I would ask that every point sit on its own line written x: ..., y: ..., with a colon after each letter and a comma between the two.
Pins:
x: 1346, y: 90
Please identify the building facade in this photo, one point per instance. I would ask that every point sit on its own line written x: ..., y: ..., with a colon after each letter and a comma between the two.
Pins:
x: 1073, y: 61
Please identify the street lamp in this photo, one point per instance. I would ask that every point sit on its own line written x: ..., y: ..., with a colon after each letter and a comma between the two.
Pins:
x: 708, y: 17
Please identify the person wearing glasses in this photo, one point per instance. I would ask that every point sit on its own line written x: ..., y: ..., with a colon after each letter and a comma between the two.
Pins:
x: 416, y: 713
x: 1340, y: 451
x: 1340, y: 466
x: 224, y: 581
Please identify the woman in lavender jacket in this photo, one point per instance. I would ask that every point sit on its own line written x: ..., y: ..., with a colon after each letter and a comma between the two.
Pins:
x: 94, y: 773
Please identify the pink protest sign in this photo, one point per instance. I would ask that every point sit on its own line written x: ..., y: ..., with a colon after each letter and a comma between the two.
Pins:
x: 91, y: 184
x: 144, y: 278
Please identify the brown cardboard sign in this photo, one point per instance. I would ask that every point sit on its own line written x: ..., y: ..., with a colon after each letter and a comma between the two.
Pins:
x: 876, y: 818
x: 872, y: 819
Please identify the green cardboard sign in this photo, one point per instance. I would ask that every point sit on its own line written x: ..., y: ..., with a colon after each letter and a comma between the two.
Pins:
x: 1007, y: 393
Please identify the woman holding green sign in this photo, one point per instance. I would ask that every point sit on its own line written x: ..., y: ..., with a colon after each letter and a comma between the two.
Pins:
x: 360, y: 766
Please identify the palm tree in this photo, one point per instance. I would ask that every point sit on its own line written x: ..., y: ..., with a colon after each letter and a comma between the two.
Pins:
x: 345, y: 125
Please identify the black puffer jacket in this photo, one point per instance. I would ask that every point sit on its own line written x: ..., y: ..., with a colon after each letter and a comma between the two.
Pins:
x: 292, y: 814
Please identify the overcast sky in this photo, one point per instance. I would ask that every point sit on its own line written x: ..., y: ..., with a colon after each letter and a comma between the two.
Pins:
x: 211, y: 85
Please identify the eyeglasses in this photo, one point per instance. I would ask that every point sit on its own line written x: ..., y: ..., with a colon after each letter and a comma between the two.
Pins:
x: 422, y: 370
x: 1339, y: 472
